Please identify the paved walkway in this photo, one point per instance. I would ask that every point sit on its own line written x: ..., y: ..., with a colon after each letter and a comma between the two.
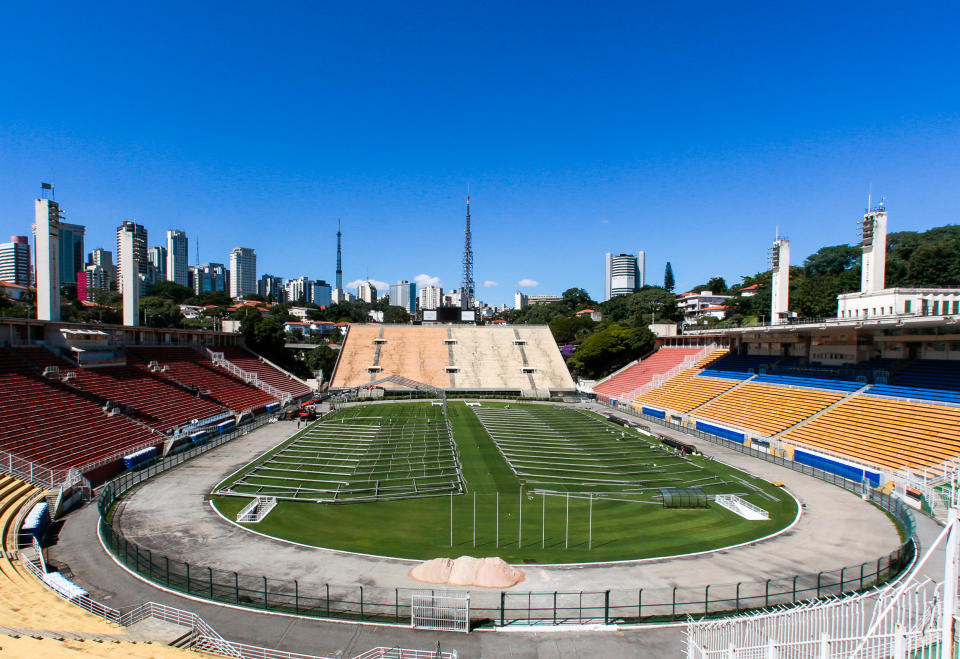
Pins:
x: 837, y: 529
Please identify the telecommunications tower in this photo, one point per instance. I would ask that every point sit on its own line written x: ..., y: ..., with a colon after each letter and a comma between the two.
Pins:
x: 339, y: 268
x: 467, y: 287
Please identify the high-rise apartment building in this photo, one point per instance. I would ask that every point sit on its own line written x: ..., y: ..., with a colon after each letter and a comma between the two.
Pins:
x: 209, y: 277
x: 298, y: 289
x: 404, y: 294
x: 430, y: 297
x: 367, y: 292
x: 177, y: 257
x: 621, y: 274
x: 71, y: 251
x: 104, y: 259
x: 243, y: 272
x: 15, y: 261
x: 270, y: 287
x: 158, y: 259
x: 321, y: 293
x: 128, y: 254
x: 138, y: 233
x: 339, y: 295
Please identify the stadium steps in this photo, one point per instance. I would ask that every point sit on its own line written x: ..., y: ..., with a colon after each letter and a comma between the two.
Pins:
x: 721, y: 394
x: 830, y: 407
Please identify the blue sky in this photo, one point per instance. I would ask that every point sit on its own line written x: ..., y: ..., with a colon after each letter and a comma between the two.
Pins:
x: 689, y: 130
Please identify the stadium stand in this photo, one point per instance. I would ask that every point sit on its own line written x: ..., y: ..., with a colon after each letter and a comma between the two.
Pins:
x: 465, y: 358
x: 47, y: 423
x: 270, y: 374
x: 686, y: 390
x: 884, y: 432
x: 154, y: 400
x: 766, y: 408
x: 642, y: 372
x: 743, y: 363
x: 188, y: 367
x: 929, y: 374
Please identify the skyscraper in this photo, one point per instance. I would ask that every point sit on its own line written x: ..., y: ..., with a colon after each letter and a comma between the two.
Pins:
x: 298, y: 289
x: 268, y: 286
x: 209, y: 277
x: 621, y: 274
x: 128, y: 255
x: 243, y: 272
x: 158, y: 259
x: 177, y: 250
x: 367, y: 292
x: 71, y: 251
x: 430, y: 297
x: 321, y: 293
x: 404, y: 294
x: 15, y: 261
x: 139, y: 235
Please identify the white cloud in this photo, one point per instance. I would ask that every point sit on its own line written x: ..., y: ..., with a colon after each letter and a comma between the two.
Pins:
x: 528, y: 282
x: 488, y: 284
x: 381, y: 286
x: 423, y: 280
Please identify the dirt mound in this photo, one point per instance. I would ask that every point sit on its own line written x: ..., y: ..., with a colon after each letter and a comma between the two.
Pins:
x: 491, y: 572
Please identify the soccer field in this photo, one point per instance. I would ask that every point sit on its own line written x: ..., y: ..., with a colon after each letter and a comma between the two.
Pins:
x: 528, y: 482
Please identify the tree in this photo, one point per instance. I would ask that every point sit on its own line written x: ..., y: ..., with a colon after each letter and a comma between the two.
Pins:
x: 610, y: 349
x: 395, y: 314
x: 831, y: 260
x: 172, y: 291
x: 716, y: 285
x: 936, y: 264
x: 668, y: 281
x: 571, y: 330
x: 577, y: 299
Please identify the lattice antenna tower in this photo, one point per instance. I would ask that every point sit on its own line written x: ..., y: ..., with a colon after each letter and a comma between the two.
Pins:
x: 339, y: 265
x: 468, y: 286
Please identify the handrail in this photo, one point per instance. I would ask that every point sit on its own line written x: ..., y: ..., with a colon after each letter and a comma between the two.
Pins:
x: 249, y: 377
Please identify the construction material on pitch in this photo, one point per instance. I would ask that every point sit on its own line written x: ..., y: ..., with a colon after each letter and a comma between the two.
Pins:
x: 490, y: 572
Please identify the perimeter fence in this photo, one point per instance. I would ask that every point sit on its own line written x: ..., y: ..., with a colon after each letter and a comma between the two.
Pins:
x: 305, y: 597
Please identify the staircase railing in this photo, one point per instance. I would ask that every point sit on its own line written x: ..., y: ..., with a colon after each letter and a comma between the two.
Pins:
x: 249, y: 377
x: 658, y: 380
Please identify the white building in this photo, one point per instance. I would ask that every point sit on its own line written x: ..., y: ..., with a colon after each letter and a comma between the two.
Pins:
x: 243, y: 272
x: 46, y: 234
x: 128, y: 260
x: 622, y: 274
x: 701, y: 305
x: 339, y: 295
x: 367, y: 292
x: 15, y: 261
x: 140, y: 253
x: 104, y: 258
x: 430, y: 297
x: 297, y: 289
x: 780, y: 281
x: 158, y: 259
x: 177, y: 250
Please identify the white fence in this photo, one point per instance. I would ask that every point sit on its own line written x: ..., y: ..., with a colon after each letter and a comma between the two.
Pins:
x: 257, y: 509
x: 401, y: 653
x: 911, y: 617
x: 249, y: 377
x: 659, y: 380
x: 447, y: 611
x: 745, y: 509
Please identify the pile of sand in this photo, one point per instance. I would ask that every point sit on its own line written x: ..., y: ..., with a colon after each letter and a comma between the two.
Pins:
x: 468, y: 571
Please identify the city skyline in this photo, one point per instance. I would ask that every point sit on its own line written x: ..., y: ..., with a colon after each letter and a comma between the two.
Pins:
x: 578, y: 138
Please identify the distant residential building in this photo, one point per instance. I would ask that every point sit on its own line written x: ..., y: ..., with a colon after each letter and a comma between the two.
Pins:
x: 15, y: 261
x: 71, y: 252
x: 209, y: 277
x: 622, y: 274
x: 700, y: 305
x: 367, y: 292
x: 430, y: 297
x: 96, y: 277
x: 451, y: 298
x: 158, y: 259
x: 104, y: 258
x: 749, y: 291
x: 243, y: 272
x: 522, y: 300
x: 298, y: 289
x: 268, y: 285
x: 519, y: 300
x: 592, y: 314
x: 177, y: 251
x: 321, y: 293
x: 339, y: 295
x: 404, y: 294
x: 310, y: 328
x: 138, y: 233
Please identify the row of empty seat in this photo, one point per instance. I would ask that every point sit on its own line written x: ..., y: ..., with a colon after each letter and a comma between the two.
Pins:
x: 643, y: 372
x: 47, y: 423
x: 271, y: 375
x: 686, y: 390
x: 767, y: 409
x: 150, y: 398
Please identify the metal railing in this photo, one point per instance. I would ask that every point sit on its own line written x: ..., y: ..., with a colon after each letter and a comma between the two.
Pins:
x: 249, y: 377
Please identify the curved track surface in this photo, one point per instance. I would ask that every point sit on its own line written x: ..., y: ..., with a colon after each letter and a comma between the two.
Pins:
x: 169, y: 514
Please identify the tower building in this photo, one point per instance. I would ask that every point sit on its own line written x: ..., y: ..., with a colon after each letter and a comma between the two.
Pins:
x: 128, y: 262
x: 468, y: 286
x: 46, y: 236
x: 621, y: 274
x: 780, y: 282
x: 177, y: 250
x: 15, y: 261
x: 873, y: 241
x: 139, y: 236
x: 243, y: 272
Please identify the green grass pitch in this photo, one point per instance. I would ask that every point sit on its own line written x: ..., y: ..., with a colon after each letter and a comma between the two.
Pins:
x: 523, y: 481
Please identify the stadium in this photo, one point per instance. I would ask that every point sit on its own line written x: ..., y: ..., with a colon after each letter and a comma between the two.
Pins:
x: 169, y: 486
